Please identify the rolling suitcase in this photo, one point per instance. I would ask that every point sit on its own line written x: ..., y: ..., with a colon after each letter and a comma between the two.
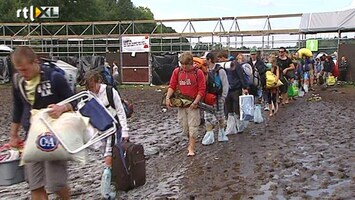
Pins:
x: 134, y: 174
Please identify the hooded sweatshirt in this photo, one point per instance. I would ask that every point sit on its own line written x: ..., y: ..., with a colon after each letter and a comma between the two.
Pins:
x: 189, y: 82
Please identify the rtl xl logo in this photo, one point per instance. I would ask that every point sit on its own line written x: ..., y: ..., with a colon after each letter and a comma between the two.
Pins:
x: 43, y: 12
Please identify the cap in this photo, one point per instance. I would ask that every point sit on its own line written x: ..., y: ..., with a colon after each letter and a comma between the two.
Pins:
x: 253, y: 51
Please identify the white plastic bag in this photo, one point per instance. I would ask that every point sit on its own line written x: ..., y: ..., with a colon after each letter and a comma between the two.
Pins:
x: 208, y: 138
x: 246, y: 104
x: 258, y: 116
x: 231, y: 124
x: 300, y: 93
x: 241, y: 125
x: 43, y: 145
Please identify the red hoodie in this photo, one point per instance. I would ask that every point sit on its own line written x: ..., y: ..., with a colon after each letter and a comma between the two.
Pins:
x: 190, y: 83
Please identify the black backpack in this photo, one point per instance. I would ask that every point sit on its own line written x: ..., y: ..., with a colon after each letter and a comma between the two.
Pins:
x: 214, y: 81
x: 127, y: 106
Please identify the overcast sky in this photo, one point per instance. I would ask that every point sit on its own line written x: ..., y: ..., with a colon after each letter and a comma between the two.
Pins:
x: 175, y: 9
x: 171, y: 9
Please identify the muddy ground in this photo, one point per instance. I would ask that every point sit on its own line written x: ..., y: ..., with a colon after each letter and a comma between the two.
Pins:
x: 306, y: 152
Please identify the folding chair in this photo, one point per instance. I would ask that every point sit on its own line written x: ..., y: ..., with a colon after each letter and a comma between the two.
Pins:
x: 100, y: 118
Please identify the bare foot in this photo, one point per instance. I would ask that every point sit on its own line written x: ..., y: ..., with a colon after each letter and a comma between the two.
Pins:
x: 191, y: 154
x: 191, y: 150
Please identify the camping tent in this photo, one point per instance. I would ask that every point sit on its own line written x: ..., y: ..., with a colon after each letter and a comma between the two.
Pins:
x: 5, y: 48
x: 5, y: 64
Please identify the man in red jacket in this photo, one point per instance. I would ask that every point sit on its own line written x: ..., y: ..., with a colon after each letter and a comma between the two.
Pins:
x: 191, y: 82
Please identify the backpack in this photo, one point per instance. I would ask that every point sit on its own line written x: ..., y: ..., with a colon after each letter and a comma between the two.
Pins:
x: 68, y: 71
x: 107, y: 76
x: 248, y: 73
x: 251, y: 75
x: 127, y: 106
x: 214, y: 81
x: 200, y: 63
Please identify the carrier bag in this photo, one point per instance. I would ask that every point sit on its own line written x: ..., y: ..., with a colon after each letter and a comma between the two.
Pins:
x: 43, y: 145
x: 246, y: 104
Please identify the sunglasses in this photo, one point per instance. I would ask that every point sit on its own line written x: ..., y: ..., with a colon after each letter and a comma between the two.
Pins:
x: 281, y: 51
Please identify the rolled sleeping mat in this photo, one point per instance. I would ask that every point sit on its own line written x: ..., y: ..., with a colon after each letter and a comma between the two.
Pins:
x: 305, y: 52
x: 225, y: 65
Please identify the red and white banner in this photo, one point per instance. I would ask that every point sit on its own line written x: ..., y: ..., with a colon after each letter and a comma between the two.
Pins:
x: 135, y: 44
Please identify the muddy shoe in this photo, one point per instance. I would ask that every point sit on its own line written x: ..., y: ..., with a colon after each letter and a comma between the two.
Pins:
x: 222, y: 136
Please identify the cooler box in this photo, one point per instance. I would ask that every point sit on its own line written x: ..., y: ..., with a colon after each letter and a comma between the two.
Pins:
x: 11, y: 173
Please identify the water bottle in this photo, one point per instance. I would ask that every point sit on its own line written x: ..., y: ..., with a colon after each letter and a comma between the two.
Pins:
x: 113, y: 192
x: 106, y: 183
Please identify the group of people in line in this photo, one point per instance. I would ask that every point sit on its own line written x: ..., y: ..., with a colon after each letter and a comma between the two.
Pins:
x: 39, y: 87
x: 292, y: 70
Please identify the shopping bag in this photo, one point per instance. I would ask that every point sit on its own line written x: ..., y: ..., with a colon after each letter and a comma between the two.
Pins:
x: 246, y: 105
x: 208, y: 138
x: 258, y: 117
x: 231, y: 124
x: 292, y: 91
x: 331, y: 80
x: 43, y: 145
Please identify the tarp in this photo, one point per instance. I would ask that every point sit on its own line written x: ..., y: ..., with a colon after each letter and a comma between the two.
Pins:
x: 5, y: 70
x: 328, y: 21
x: 163, y: 67
x: 5, y: 48
x: 84, y: 64
x: 87, y: 63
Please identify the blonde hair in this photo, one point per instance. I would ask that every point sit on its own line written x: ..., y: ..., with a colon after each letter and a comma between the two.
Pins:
x: 186, y: 58
x: 272, y: 60
x: 24, y: 53
x: 241, y: 56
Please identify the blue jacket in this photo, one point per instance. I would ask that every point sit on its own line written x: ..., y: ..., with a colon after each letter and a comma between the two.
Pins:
x: 52, y: 89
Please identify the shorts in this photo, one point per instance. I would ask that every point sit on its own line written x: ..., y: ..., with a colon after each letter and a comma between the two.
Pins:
x: 50, y: 174
x: 190, y: 121
x: 284, y: 87
x: 219, y: 115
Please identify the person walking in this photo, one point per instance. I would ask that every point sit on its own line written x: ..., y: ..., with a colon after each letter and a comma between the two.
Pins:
x: 287, y: 73
x: 218, y: 73
x: 36, y: 87
x: 189, y: 81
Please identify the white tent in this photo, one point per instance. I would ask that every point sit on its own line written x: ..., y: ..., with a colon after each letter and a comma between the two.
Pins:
x: 5, y: 48
x: 328, y: 21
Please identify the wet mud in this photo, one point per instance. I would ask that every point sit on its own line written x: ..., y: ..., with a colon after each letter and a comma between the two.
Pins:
x: 306, y: 151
